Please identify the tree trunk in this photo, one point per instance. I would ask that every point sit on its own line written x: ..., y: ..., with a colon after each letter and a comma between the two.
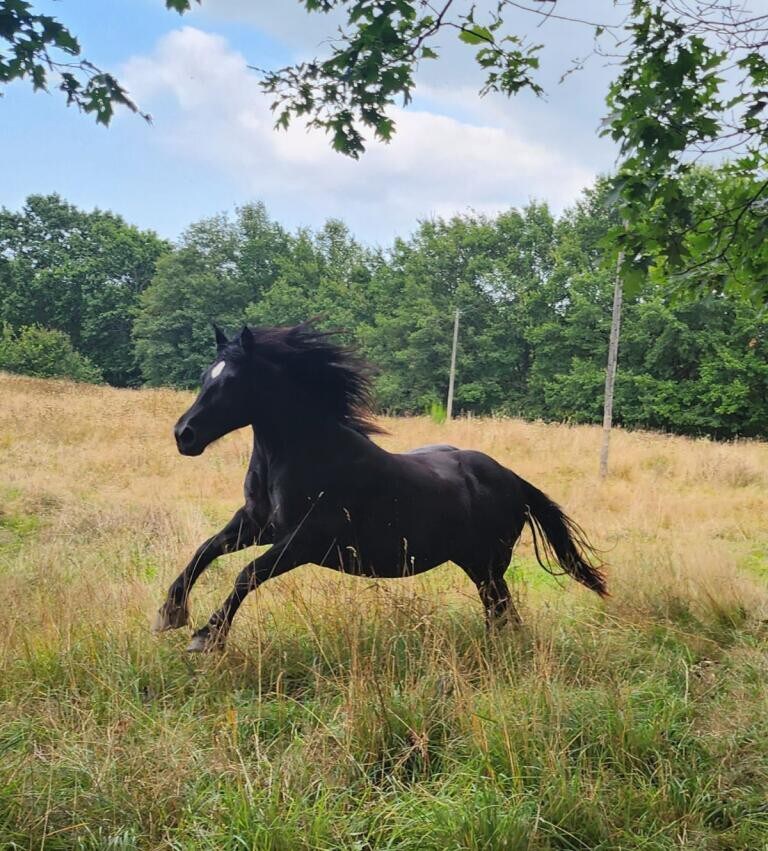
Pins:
x: 610, y: 372
x: 452, y: 377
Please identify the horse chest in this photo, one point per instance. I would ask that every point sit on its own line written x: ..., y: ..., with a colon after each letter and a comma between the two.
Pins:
x: 257, y: 500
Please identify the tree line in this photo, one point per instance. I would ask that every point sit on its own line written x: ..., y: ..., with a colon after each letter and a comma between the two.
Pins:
x: 88, y: 295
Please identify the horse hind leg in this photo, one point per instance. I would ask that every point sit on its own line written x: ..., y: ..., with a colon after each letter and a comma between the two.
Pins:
x: 494, y: 592
x: 500, y: 610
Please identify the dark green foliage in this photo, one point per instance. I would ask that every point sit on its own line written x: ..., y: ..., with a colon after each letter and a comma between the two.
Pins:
x: 692, y: 80
x: 696, y: 367
x: 326, y: 274
x: 534, y: 294
x: 535, y: 298
x: 493, y: 271
x: 39, y: 47
x: 247, y: 270
x: 218, y: 269
x: 80, y: 273
x: 34, y: 47
x: 44, y: 353
x: 372, y: 65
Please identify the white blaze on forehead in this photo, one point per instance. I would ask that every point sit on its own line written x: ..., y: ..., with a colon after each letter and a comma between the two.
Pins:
x: 216, y: 371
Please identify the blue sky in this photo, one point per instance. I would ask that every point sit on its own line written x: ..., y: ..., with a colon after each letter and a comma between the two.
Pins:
x: 211, y: 145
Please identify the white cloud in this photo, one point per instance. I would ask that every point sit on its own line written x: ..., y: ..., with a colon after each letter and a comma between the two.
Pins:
x: 286, y: 20
x: 208, y: 108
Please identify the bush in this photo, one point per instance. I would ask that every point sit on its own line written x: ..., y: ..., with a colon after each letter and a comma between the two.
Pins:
x: 45, y: 353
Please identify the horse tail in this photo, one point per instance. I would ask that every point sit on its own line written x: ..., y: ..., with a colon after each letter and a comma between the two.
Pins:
x: 558, y: 539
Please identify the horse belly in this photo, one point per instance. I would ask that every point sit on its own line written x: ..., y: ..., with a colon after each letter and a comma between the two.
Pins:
x: 391, y: 562
x: 389, y: 549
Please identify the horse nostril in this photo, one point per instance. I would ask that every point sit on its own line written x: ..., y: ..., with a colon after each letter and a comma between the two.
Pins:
x: 186, y: 436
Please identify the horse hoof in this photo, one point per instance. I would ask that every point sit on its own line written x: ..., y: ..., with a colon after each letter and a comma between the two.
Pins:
x: 205, y: 640
x: 170, y: 617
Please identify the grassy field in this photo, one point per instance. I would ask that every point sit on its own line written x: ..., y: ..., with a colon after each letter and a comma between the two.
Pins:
x: 351, y: 714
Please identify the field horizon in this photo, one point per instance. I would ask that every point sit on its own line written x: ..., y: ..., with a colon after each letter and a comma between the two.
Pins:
x: 357, y: 714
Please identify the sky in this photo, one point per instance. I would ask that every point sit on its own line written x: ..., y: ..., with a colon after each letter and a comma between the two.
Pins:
x: 211, y: 145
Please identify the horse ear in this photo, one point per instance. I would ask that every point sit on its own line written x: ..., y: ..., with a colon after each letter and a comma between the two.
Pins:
x: 221, y: 337
x: 246, y: 339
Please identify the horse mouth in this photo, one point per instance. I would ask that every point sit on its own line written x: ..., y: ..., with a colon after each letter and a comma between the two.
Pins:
x: 190, y: 450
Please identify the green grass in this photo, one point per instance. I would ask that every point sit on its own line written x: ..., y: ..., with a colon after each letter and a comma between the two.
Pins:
x: 355, y: 715
x: 580, y: 732
x: 16, y: 526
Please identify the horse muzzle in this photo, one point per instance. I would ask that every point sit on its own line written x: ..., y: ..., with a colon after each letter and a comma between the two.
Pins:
x: 187, y: 440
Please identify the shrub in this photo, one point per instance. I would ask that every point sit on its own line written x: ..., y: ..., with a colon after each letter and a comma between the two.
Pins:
x: 45, y: 353
x: 438, y: 413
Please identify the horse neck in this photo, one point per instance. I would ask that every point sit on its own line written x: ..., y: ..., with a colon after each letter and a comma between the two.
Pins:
x: 292, y: 434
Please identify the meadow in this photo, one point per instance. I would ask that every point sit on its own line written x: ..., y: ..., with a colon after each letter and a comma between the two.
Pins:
x: 354, y: 714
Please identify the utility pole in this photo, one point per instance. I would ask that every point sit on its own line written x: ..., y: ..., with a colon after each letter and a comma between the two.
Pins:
x: 610, y: 372
x: 452, y: 377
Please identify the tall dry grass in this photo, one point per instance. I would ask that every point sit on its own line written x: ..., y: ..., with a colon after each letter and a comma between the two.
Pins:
x: 356, y: 714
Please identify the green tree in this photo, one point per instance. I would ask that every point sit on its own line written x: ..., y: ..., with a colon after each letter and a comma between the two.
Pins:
x: 693, y: 84
x: 692, y: 80
x: 696, y: 368
x: 493, y: 270
x: 573, y: 311
x: 689, y: 367
x: 220, y: 267
x: 325, y: 274
x: 534, y: 294
x: 45, y: 353
x: 81, y: 273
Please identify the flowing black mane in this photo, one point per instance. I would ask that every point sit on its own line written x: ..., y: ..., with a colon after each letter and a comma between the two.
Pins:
x: 333, y: 375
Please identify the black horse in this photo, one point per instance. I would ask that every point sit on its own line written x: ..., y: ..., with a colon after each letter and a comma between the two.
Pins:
x: 320, y: 491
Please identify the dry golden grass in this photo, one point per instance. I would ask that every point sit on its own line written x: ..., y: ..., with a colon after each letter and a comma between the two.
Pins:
x: 96, y: 464
x: 333, y: 685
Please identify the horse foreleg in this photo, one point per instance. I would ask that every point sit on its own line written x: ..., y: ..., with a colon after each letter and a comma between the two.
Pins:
x: 239, y: 533
x: 281, y: 558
